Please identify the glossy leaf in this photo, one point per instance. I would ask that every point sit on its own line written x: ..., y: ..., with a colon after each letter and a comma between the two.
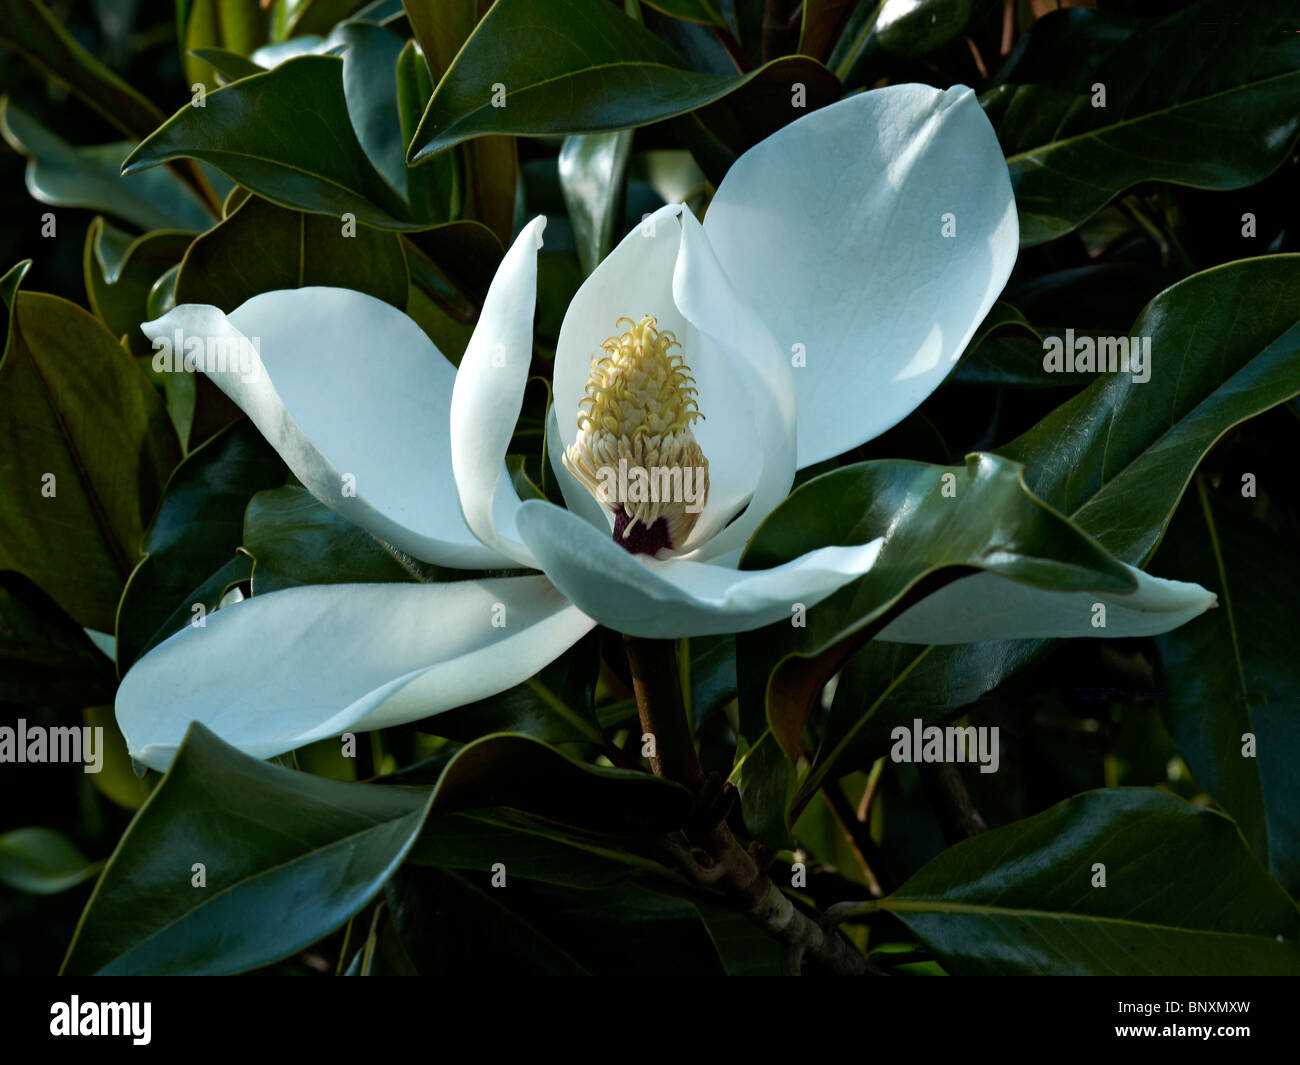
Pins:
x: 262, y: 247
x: 529, y: 848
x: 556, y: 705
x: 1230, y: 126
x: 120, y: 270
x: 29, y: 27
x: 987, y: 520
x: 295, y: 539
x: 1116, y: 458
x: 592, y: 172
x: 261, y: 830
x: 40, y: 861
x: 451, y: 922
x: 1231, y: 676
x: 489, y: 164
x: 433, y: 191
x: 64, y: 176
x: 914, y: 29
x: 574, y: 66
x: 237, y: 26
x: 1183, y: 896
x: 194, y: 535
x: 83, y: 476
x: 322, y: 168
x: 230, y: 65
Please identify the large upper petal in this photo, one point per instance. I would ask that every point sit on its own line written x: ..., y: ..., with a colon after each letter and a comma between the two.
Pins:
x: 986, y: 606
x: 677, y: 597
x: 344, y: 384
x: 489, y: 392
x: 833, y: 229
x: 280, y: 670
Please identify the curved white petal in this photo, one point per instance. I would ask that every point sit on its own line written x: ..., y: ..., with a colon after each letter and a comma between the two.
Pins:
x: 355, y: 398
x: 833, y: 228
x: 986, y: 606
x: 721, y: 324
x: 665, y: 268
x: 280, y: 670
x: 489, y: 392
x: 677, y: 597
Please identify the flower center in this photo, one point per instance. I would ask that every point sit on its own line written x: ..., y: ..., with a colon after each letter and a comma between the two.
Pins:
x: 635, y: 451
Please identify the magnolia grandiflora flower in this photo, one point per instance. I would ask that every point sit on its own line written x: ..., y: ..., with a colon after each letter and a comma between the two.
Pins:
x: 840, y: 271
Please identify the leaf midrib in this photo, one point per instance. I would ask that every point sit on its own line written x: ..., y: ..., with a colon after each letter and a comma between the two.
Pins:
x: 1053, y: 145
x: 925, y: 905
x: 260, y: 873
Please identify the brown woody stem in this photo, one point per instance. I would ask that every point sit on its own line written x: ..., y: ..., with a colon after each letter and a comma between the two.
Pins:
x: 717, y: 858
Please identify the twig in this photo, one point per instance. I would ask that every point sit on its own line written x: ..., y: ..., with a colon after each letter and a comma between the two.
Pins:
x: 868, y: 851
x: 717, y: 858
x: 1008, y: 27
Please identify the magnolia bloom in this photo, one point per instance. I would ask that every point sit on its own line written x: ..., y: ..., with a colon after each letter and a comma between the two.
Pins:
x: 821, y: 300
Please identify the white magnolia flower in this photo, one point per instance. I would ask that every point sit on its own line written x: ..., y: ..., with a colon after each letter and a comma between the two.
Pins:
x: 828, y: 235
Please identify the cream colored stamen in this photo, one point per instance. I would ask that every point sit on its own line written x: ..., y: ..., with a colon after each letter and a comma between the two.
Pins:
x: 637, y: 416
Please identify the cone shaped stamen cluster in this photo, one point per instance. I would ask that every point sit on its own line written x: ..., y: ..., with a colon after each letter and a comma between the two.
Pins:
x: 635, y: 451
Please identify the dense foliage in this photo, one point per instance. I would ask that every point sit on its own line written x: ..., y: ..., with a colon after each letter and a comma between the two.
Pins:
x: 1143, y: 815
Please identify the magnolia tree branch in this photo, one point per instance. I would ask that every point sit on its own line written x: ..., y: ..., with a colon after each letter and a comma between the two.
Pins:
x: 717, y: 858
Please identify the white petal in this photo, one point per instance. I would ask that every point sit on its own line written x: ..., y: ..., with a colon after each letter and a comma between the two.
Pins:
x: 833, y: 228
x: 665, y: 268
x: 757, y: 377
x: 986, y: 606
x: 677, y: 597
x: 355, y: 398
x: 281, y: 670
x: 489, y: 393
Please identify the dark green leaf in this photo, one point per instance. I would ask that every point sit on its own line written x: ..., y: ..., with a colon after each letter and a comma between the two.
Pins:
x: 82, y: 476
x: 565, y: 66
x: 916, y: 29
x: 322, y: 168
x: 592, y: 172
x: 262, y: 247
x: 64, y: 176
x: 985, y: 518
x: 229, y: 65
x: 40, y: 861
x: 1117, y: 458
x: 1230, y: 125
x: 528, y: 848
x: 450, y: 923
x: 120, y: 270
x: 295, y: 539
x: 1231, y: 675
x: 194, y: 535
x: 1183, y: 895
x: 30, y: 28
x: 261, y: 831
